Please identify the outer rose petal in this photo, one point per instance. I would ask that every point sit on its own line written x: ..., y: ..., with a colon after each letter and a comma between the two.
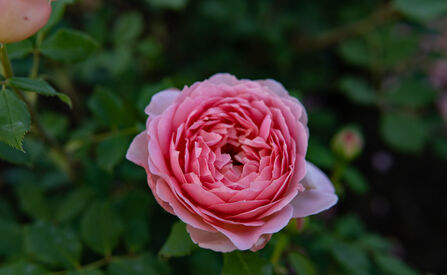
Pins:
x: 210, y: 240
x: 319, y: 195
x: 161, y: 101
x: 274, y: 86
x: 137, y: 152
x: 223, y: 78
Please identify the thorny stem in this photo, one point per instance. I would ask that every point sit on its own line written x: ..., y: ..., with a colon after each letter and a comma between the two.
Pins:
x: 8, y: 73
x: 382, y: 16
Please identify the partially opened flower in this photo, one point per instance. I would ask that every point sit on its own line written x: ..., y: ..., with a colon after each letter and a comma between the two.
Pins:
x: 19, y: 19
x: 227, y: 156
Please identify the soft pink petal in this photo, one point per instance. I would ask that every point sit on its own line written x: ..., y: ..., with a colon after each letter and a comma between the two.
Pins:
x: 137, y: 152
x: 319, y: 195
x: 223, y: 78
x: 211, y: 240
x: 274, y: 86
x: 161, y: 101
x: 165, y: 194
x: 245, y: 238
x: 261, y: 242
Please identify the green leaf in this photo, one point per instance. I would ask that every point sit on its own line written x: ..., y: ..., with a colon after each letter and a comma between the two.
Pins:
x: 320, y: 155
x: 351, y: 258
x: 392, y: 266
x: 20, y: 49
x: 12, y: 155
x: 55, y: 124
x: 52, y: 245
x: 68, y: 46
x: 356, y: 52
x: 128, y: 27
x: 73, y: 204
x: 145, y: 264
x: 349, y: 226
x: 111, y: 151
x: 58, y: 10
x: 421, y: 10
x: 204, y: 261
x: 136, y: 233
x: 15, y: 119
x: 245, y: 263
x: 404, y: 132
x: 32, y: 201
x: 355, y: 180
x: 412, y: 93
x: 11, y: 238
x: 358, y: 90
x: 21, y: 268
x: 107, y: 106
x: 301, y: 264
x: 85, y: 272
x: 6, y: 211
x: 101, y: 228
x: 178, y: 243
x: 39, y: 86
x: 169, y: 4
x: 374, y: 243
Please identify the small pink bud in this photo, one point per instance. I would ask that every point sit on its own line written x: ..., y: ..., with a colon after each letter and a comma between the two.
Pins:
x: 19, y: 19
x: 348, y: 143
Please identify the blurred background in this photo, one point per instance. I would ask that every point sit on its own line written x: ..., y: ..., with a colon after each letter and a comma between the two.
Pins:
x: 372, y: 75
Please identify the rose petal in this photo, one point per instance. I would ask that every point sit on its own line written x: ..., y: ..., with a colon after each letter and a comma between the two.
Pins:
x: 161, y: 101
x: 245, y: 237
x: 274, y: 86
x: 211, y: 240
x: 137, y: 152
x: 319, y: 195
x: 223, y: 78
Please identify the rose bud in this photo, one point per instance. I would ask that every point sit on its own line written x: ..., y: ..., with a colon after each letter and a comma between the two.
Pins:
x: 227, y: 156
x: 19, y: 19
x: 348, y: 143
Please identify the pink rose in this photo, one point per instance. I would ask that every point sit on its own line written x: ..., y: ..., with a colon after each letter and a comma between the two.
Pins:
x: 19, y: 19
x: 227, y: 156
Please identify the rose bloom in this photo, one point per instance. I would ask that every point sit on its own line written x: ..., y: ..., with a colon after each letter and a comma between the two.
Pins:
x: 19, y: 19
x: 227, y: 157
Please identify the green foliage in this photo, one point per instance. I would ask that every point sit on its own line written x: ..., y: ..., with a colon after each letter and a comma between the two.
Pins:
x: 355, y: 180
x: 392, y: 266
x: 421, y: 10
x: 358, y: 91
x: 246, y: 263
x: 39, y: 86
x: 404, y: 132
x: 301, y: 265
x: 145, y: 264
x: 51, y: 245
x: 20, y: 268
x: 68, y: 46
x: 101, y: 228
x: 110, y: 151
x: 19, y: 49
x: 14, y: 119
x: 178, y: 243
x: 11, y: 238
